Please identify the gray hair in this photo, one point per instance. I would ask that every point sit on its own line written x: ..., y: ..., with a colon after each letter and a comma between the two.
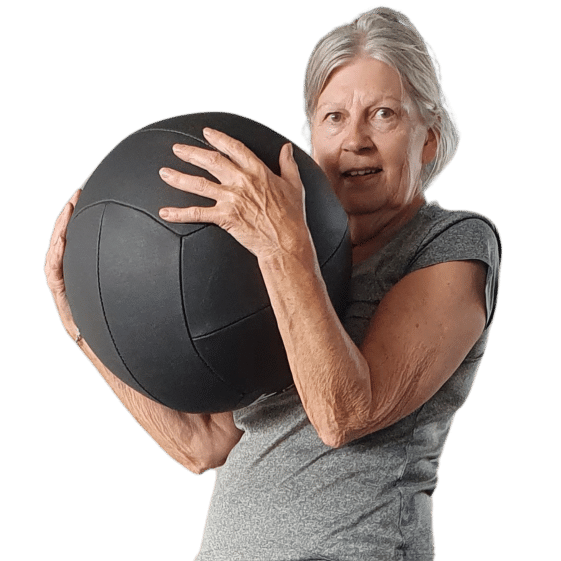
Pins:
x: 388, y: 36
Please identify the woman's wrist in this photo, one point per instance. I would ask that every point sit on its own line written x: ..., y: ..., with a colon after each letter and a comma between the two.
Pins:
x: 300, y: 256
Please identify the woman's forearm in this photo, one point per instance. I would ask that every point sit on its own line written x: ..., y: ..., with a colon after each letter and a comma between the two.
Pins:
x: 198, y: 442
x: 265, y: 213
x: 330, y: 373
x: 421, y: 332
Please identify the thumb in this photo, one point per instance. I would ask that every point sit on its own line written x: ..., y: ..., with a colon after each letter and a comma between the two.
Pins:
x: 288, y: 166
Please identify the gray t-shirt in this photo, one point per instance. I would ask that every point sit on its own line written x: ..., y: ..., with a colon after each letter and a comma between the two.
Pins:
x: 283, y: 495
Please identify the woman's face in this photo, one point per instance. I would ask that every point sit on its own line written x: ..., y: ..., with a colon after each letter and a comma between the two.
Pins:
x: 366, y: 141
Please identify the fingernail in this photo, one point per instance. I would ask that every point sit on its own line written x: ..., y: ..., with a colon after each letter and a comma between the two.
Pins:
x: 165, y: 173
x: 164, y: 213
x: 208, y: 132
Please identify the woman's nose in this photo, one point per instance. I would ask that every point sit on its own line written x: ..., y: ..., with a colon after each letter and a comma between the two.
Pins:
x: 358, y: 138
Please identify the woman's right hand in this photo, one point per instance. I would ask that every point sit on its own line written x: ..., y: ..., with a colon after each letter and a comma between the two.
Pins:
x: 53, y: 266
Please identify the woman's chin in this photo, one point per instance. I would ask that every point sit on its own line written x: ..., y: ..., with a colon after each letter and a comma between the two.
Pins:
x: 357, y: 202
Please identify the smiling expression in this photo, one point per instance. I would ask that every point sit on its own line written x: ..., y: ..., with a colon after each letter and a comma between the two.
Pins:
x: 368, y: 138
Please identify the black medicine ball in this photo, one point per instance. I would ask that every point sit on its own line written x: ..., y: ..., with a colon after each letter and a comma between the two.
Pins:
x: 180, y: 312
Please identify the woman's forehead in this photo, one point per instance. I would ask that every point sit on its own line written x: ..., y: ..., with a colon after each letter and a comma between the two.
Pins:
x: 368, y: 78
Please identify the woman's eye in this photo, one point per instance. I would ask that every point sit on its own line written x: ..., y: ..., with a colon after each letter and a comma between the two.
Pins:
x: 384, y: 119
x: 334, y: 117
x: 384, y: 113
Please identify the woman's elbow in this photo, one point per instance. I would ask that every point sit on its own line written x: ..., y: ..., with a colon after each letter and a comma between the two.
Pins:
x: 339, y: 437
x: 332, y: 439
x: 199, y: 467
x: 343, y: 435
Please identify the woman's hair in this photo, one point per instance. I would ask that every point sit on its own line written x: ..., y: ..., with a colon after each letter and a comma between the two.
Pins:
x: 388, y: 36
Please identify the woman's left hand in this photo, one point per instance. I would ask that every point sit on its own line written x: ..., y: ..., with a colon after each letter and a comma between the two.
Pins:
x: 262, y: 211
x: 54, y: 266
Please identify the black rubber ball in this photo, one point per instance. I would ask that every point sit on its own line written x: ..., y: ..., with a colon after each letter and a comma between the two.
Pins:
x: 180, y: 312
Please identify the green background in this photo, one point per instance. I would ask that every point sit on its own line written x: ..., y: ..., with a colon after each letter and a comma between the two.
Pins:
x: 79, y: 479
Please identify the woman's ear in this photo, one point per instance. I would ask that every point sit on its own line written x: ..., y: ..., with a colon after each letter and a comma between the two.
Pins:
x: 430, y: 146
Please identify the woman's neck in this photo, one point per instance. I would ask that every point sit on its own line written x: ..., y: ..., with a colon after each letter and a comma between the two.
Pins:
x: 371, y: 232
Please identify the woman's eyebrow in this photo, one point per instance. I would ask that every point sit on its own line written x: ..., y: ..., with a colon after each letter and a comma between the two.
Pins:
x: 371, y: 101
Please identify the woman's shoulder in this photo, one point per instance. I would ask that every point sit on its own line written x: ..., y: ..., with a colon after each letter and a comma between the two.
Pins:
x: 435, y: 219
x: 433, y: 233
x: 454, y: 232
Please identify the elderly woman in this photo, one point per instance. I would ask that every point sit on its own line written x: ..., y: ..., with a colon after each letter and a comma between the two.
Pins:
x: 343, y: 465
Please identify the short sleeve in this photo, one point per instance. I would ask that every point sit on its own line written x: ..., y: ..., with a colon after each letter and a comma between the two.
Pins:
x: 470, y: 238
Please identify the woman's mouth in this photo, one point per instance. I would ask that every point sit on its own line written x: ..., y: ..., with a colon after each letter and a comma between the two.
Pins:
x: 361, y: 172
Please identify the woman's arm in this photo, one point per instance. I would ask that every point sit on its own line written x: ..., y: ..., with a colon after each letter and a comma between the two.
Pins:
x: 421, y: 332
x: 198, y: 442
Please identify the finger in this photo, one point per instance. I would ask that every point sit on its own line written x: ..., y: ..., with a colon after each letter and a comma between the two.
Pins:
x: 55, y: 253
x: 54, y: 265
x: 55, y: 282
x: 61, y: 225
x: 237, y: 151
x: 53, y: 261
x: 191, y: 183
x: 53, y: 268
x: 74, y: 199
x: 190, y: 214
x: 64, y: 217
x: 214, y: 162
x: 288, y: 167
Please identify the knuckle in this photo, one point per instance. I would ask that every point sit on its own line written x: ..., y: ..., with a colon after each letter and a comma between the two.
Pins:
x: 231, y: 216
x: 238, y: 204
x: 236, y: 144
x: 201, y: 184
x: 262, y: 174
x: 215, y: 158
x: 197, y: 214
